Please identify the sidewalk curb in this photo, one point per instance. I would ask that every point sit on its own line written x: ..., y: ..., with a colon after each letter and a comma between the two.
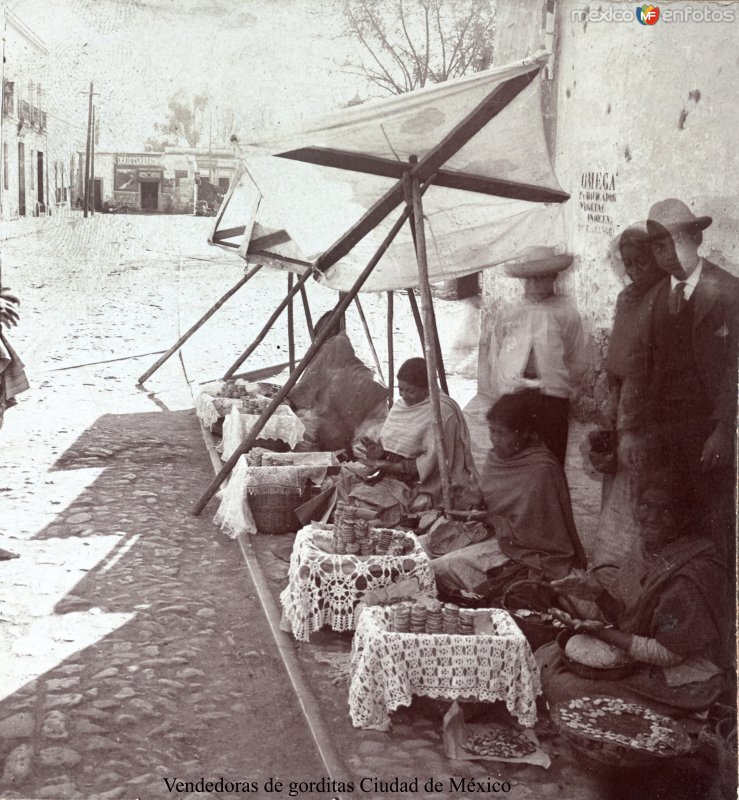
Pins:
x: 285, y: 645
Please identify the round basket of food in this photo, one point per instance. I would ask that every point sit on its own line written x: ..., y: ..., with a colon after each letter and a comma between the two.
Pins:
x: 593, y: 659
x: 528, y: 602
x: 618, y: 733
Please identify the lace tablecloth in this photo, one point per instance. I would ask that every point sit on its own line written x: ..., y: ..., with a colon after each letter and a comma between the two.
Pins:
x: 283, y: 424
x: 324, y: 588
x: 389, y: 668
x: 212, y: 404
x: 234, y: 514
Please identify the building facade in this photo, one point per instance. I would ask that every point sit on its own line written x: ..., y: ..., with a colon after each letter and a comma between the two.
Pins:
x: 170, y: 182
x: 24, y: 188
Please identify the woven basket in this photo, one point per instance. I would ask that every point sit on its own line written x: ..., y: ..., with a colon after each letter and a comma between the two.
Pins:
x: 535, y: 596
x: 275, y: 513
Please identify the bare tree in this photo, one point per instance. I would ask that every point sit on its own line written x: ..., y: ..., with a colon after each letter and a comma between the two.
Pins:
x: 409, y: 43
x: 193, y: 122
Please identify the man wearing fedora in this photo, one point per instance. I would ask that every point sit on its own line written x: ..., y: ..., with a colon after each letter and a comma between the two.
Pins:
x: 686, y: 367
x: 543, y: 345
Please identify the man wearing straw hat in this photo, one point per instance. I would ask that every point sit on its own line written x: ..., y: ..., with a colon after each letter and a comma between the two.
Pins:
x: 686, y: 367
x: 543, y: 345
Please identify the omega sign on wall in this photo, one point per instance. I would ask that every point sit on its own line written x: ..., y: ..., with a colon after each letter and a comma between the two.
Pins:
x: 597, y: 200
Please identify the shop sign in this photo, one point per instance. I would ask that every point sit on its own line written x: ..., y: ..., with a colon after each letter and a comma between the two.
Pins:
x: 137, y: 161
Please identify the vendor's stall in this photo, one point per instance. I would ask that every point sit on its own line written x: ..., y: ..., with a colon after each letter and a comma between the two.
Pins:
x: 324, y: 587
x: 491, y: 662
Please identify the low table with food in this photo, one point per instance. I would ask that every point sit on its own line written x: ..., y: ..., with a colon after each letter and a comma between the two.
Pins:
x: 216, y: 399
x: 326, y: 580
x: 485, y: 658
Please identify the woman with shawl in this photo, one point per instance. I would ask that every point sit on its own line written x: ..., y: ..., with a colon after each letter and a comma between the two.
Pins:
x: 528, y: 510
x: 618, y: 529
x: 405, y: 476
x: 670, y: 610
x: 337, y: 398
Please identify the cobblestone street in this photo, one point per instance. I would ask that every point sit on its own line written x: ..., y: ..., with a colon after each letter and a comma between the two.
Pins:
x: 134, y: 647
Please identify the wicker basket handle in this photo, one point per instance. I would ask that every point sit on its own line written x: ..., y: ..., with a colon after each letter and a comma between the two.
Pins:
x: 563, y: 599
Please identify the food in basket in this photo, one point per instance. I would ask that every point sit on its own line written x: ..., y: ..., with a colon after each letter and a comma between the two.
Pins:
x: 501, y: 742
x: 593, y: 652
x: 538, y: 616
x: 617, y: 722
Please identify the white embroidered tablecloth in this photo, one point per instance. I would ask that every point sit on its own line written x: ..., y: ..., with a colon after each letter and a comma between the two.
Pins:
x: 283, y: 424
x: 324, y: 588
x: 389, y: 668
x: 211, y: 404
x: 234, y: 514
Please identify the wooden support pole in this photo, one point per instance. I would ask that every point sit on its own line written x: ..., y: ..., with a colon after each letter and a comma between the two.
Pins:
x: 86, y: 187
x: 429, y: 349
x: 268, y: 325
x: 290, y: 323
x: 92, y: 165
x: 437, y: 344
x: 367, y: 333
x: 321, y: 337
x: 208, y: 314
x: 439, y: 356
x: 416, y: 314
x: 306, y: 308
x: 390, y: 348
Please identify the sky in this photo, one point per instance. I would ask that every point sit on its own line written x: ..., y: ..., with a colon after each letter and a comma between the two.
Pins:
x: 276, y: 62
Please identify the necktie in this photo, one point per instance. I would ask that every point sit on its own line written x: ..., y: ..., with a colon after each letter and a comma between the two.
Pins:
x: 676, y: 300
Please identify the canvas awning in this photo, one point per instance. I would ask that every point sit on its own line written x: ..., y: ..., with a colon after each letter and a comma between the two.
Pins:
x: 490, y: 200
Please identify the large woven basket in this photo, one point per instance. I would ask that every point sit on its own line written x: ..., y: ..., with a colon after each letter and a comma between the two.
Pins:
x: 275, y: 513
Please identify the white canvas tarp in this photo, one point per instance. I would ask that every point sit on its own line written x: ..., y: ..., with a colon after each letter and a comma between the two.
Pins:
x: 308, y: 206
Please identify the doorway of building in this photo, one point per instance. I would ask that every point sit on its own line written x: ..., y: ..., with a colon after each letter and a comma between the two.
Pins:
x: 149, y: 195
x: 21, y: 179
x: 97, y: 193
x: 40, y: 196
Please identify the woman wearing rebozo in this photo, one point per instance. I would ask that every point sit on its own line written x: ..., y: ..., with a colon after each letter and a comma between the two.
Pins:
x: 401, y: 475
x: 671, y: 612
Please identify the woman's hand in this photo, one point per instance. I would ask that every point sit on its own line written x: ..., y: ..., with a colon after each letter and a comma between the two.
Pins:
x: 579, y: 584
x: 8, y: 308
x: 373, y: 450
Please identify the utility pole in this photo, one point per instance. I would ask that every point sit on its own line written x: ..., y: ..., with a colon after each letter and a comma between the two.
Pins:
x: 86, y: 187
x: 92, y: 164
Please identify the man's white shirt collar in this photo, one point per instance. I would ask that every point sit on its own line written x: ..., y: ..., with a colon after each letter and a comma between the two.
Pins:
x: 690, y: 282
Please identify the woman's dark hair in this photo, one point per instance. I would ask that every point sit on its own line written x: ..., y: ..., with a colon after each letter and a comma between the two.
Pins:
x: 323, y: 321
x: 414, y: 371
x: 517, y: 412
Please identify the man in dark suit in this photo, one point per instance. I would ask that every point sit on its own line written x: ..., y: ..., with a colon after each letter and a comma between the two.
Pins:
x: 686, y: 369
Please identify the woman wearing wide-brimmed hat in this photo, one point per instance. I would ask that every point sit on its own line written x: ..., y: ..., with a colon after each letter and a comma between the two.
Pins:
x: 543, y: 345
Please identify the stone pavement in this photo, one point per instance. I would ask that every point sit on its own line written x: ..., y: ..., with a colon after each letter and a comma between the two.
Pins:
x: 179, y: 676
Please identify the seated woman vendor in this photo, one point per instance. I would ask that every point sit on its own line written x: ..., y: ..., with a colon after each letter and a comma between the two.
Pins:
x: 671, y: 613
x: 404, y: 478
x: 337, y: 398
x: 532, y: 533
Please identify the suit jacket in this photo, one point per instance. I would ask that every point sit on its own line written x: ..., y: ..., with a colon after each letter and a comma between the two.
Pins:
x: 714, y: 341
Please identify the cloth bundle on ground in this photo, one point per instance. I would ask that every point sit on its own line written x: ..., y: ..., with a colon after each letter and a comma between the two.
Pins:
x: 530, y: 513
x: 678, y: 600
x: 408, y: 434
x: 336, y: 398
